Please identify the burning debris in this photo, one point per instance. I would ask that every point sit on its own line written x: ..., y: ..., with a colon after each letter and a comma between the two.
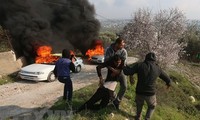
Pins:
x: 61, y: 24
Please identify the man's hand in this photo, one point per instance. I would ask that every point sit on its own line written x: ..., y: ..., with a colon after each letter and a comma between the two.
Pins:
x: 114, y: 71
x: 73, y: 59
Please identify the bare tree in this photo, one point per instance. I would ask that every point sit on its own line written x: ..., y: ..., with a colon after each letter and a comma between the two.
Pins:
x: 159, y: 33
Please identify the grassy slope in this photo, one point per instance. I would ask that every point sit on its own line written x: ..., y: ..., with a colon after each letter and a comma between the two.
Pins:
x: 173, y: 104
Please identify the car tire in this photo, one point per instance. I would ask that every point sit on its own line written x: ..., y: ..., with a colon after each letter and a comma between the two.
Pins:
x: 51, y: 77
x: 78, y: 69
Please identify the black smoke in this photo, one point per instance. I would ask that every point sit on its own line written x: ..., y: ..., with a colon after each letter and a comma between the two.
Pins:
x: 60, y: 23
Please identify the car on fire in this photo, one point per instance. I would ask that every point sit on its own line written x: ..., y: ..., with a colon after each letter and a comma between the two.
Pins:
x: 97, y: 59
x: 42, y: 72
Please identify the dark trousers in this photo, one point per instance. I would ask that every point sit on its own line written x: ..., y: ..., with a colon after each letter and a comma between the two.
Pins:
x: 68, y: 88
x: 151, y: 103
x: 102, y: 94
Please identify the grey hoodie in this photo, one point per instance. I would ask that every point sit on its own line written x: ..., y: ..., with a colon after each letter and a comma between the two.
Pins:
x: 110, y: 52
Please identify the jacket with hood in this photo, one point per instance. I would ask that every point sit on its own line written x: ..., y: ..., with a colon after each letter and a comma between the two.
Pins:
x: 147, y: 73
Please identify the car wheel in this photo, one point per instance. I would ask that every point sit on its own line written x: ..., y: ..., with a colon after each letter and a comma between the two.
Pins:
x: 51, y: 77
x: 78, y: 69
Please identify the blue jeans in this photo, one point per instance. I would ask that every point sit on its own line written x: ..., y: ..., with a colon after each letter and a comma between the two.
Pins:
x: 68, y: 88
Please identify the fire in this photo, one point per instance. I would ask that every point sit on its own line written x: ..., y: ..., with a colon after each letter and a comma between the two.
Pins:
x: 44, y: 55
x: 72, y: 53
x: 97, y: 50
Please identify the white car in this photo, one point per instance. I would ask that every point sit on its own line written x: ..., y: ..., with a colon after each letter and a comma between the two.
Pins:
x: 97, y: 59
x: 41, y: 72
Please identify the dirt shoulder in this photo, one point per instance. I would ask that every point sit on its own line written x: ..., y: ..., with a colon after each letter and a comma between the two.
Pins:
x: 26, y: 96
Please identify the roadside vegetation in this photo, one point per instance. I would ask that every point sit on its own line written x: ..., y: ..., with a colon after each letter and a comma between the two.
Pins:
x: 9, y: 78
x: 4, y: 40
x: 173, y: 104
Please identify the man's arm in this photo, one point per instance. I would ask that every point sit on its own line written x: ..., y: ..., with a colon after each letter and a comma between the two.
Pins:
x: 165, y: 78
x: 124, y: 56
x: 108, y: 54
x: 98, y: 68
x: 130, y: 70
x: 72, y: 67
x: 55, y: 71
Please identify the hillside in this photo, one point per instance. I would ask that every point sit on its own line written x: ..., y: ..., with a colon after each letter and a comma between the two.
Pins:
x: 173, y: 104
x: 113, y: 25
x: 190, y: 70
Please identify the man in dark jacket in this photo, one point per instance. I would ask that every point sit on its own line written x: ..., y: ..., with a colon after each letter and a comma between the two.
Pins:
x: 117, y: 48
x: 147, y: 73
x: 62, y: 71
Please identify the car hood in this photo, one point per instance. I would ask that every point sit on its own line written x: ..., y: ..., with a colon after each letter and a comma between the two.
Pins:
x: 38, y: 67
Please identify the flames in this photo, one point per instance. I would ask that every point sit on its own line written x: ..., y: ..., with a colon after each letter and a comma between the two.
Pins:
x: 72, y: 53
x: 44, y: 55
x: 97, y: 49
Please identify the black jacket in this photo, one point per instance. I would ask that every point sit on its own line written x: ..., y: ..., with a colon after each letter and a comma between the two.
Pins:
x: 147, y: 72
x: 109, y: 63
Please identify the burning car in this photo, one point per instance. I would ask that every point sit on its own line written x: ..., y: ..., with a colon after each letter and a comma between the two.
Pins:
x: 97, y: 59
x: 96, y: 54
x: 42, y: 70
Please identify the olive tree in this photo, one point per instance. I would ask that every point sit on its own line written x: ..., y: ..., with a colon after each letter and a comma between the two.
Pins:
x: 159, y: 33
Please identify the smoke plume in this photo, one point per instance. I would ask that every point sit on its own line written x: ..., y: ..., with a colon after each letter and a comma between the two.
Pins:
x: 61, y: 24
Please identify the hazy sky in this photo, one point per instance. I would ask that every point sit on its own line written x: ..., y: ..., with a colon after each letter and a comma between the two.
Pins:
x: 109, y: 9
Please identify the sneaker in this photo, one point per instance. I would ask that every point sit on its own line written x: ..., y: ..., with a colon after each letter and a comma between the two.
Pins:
x: 116, y: 104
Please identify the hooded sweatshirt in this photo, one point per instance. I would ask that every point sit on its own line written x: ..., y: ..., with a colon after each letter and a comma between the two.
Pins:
x: 147, y: 72
x: 110, y: 52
